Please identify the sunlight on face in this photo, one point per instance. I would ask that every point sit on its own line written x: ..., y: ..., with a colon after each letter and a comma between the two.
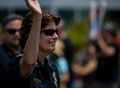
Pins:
x: 47, y: 43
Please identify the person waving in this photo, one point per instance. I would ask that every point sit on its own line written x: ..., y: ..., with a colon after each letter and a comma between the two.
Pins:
x: 31, y: 68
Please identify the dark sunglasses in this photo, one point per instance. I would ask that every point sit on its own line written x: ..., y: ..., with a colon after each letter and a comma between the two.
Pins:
x: 49, y: 32
x: 12, y: 31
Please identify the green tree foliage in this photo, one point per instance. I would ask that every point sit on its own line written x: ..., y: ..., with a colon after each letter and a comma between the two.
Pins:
x: 77, y: 32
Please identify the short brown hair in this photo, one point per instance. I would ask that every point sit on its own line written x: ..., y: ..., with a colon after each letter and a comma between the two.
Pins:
x: 28, y: 21
x: 9, y: 18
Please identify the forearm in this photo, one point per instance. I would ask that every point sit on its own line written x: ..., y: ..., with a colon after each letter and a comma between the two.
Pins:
x: 86, y: 69
x: 32, y: 45
x: 89, y: 68
x: 107, y: 50
x: 31, y: 49
x: 103, y: 46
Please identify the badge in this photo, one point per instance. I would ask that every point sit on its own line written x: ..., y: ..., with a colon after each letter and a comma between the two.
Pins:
x: 55, y: 79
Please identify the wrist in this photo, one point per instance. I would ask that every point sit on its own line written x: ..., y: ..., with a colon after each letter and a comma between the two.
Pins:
x: 37, y: 17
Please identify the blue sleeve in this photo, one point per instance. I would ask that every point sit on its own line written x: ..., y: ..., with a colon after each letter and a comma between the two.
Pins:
x: 62, y: 65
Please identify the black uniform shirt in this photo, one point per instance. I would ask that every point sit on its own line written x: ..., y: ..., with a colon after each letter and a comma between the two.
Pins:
x: 43, y: 76
x: 107, y: 70
x: 6, y: 55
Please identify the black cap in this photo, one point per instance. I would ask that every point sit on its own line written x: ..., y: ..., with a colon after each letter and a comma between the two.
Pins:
x: 110, y: 27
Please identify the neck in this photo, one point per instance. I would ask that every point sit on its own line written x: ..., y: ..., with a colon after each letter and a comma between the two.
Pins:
x: 14, y: 49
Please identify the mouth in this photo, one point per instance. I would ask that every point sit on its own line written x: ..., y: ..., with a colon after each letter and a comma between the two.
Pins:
x: 16, y: 40
x: 52, y: 43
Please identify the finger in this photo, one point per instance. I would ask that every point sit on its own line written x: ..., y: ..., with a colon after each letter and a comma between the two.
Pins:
x: 27, y: 2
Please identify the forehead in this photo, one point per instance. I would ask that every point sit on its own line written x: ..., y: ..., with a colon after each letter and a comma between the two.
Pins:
x: 51, y: 25
x: 14, y: 24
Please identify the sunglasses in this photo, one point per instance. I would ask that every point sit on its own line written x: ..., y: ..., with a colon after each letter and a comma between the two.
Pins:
x: 49, y: 32
x: 12, y: 31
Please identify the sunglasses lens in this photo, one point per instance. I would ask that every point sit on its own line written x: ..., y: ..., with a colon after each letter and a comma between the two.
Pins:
x: 56, y: 32
x: 49, y: 32
x: 11, y: 31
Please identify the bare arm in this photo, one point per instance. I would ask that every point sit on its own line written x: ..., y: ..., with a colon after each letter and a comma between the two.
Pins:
x: 85, y: 70
x: 90, y: 66
x: 31, y: 49
x: 64, y: 77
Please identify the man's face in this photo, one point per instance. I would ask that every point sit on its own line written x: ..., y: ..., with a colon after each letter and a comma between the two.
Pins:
x: 11, y: 34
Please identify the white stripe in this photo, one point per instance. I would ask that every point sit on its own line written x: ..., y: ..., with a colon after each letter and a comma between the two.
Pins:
x: 19, y: 55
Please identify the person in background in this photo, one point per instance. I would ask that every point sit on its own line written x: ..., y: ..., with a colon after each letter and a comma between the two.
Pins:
x: 9, y: 46
x: 117, y: 40
x: 68, y: 49
x: 39, y: 34
x: 60, y: 61
x: 106, y: 74
x: 84, y: 65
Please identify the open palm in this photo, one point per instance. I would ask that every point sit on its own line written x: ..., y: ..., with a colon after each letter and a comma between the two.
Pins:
x: 34, y: 6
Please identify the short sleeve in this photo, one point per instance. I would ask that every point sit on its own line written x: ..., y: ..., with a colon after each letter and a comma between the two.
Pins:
x: 62, y: 65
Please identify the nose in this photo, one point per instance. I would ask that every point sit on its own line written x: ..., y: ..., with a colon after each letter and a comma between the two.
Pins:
x: 55, y: 35
x: 17, y: 33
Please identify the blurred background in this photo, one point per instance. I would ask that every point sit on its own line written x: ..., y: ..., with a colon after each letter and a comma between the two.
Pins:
x: 74, y: 12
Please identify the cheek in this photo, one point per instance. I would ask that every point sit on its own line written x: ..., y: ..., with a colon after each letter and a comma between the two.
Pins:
x: 7, y: 37
x: 43, y: 41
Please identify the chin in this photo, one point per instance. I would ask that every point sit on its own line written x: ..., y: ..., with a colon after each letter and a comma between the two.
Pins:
x: 52, y: 49
x: 16, y: 43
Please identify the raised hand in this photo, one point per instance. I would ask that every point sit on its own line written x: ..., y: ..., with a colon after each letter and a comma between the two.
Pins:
x: 34, y: 6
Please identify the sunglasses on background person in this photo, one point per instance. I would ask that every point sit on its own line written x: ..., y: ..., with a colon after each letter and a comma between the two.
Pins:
x: 12, y: 31
x: 49, y: 32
